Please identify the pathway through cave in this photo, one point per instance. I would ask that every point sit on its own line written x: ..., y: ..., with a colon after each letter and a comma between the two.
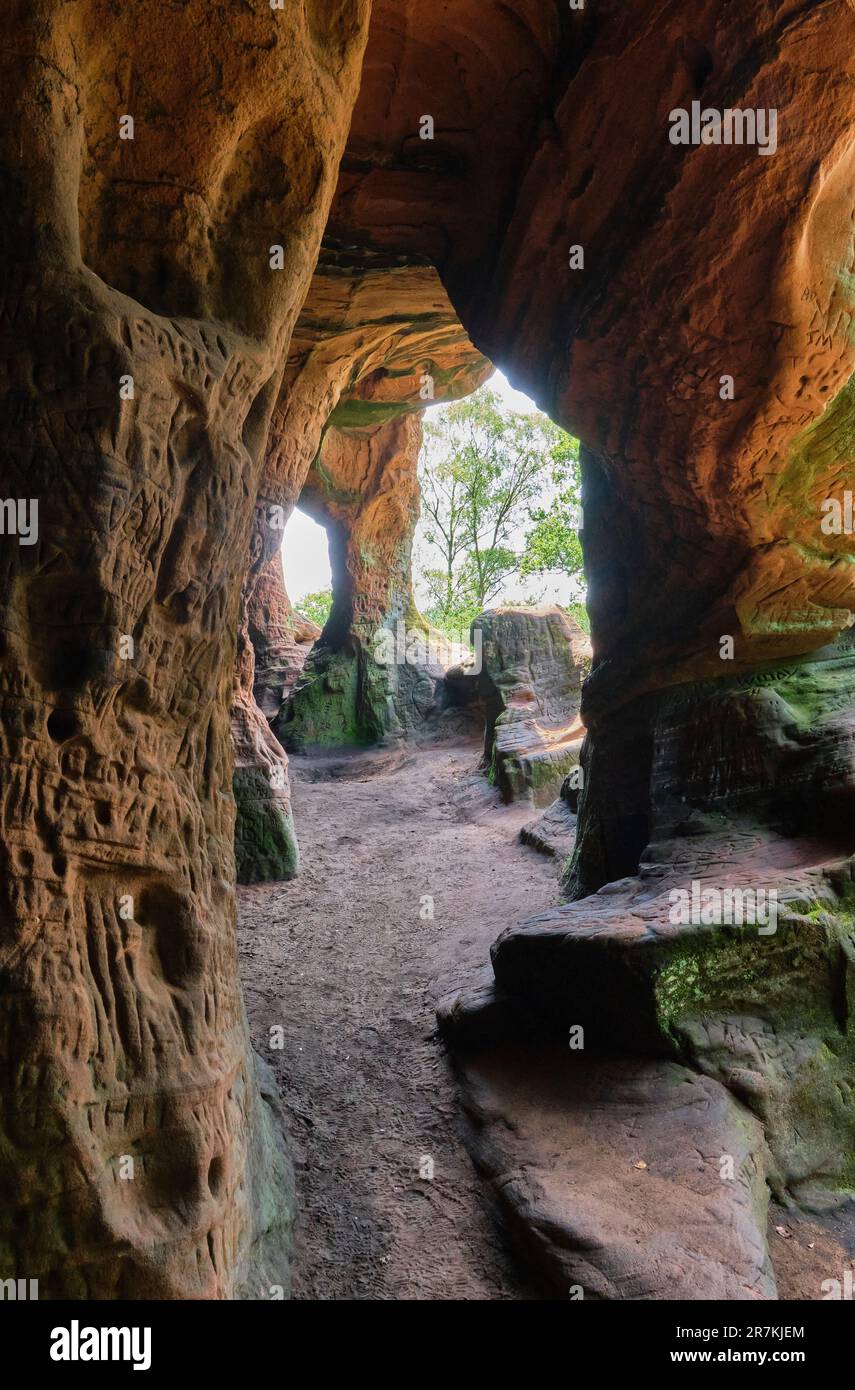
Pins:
x: 347, y: 961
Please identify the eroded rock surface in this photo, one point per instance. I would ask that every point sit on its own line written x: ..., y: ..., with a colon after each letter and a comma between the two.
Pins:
x: 527, y: 671
x: 702, y: 510
x: 141, y: 263
x: 703, y: 505
x: 376, y: 338
x: 281, y: 638
x: 554, y: 831
x: 731, y: 949
x: 703, y: 353
x: 607, y: 1172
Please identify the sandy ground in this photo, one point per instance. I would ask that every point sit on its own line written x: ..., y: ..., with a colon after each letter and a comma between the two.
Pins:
x: 348, y: 961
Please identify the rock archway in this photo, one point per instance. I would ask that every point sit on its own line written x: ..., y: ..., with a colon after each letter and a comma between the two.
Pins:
x: 364, y: 489
x: 377, y: 338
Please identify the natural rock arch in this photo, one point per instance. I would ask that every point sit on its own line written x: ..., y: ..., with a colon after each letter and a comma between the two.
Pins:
x: 376, y: 338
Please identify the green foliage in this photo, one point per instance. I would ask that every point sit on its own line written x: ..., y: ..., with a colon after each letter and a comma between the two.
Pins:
x: 316, y: 606
x: 580, y: 613
x: 453, y: 621
x: 500, y: 497
x: 553, y: 543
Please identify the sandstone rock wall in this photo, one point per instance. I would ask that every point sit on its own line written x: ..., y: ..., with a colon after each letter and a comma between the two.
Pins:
x: 702, y: 512
x: 143, y: 336
x: 281, y: 638
x: 704, y: 354
x: 701, y: 348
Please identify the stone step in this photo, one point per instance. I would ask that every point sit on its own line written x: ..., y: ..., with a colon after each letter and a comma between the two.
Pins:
x: 619, y: 1178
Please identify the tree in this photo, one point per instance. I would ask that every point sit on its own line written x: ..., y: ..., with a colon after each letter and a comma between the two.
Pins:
x: 316, y: 606
x: 553, y: 543
x: 482, y: 471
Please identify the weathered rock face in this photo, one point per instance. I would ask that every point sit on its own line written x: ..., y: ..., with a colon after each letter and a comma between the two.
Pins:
x: 266, y: 848
x: 560, y: 1141
x: 138, y: 1157
x: 731, y: 946
x: 265, y: 841
x: 780, y: 743
x: 528, y: 669
x: 376, y: 338
x: 554, y: 832
x: 704, y: 354
x: 702, y: 512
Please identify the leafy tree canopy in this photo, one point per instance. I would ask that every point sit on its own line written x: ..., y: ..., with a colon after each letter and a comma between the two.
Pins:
x: 500, y: 498
x: 316, y: 606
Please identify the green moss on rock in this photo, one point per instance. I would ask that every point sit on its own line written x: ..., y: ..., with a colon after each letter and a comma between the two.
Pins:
x: 266, y: 849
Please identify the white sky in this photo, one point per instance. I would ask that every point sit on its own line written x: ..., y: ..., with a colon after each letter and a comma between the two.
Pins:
x: 305, y: 554
x: 305, y: 557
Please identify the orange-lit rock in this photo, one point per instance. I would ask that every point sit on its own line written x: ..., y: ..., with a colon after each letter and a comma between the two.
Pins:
x: 124, y: 1040
x: 703, y: 515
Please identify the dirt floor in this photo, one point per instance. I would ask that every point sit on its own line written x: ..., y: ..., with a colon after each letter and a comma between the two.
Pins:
x: 348, y: 961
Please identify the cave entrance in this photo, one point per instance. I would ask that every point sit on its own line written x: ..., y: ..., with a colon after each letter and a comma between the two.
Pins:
x: 417, y: 843
x: 548, y: 508
x: 306, y: 566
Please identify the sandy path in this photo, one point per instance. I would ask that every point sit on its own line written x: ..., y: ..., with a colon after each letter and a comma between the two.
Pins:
x: 343, y: 960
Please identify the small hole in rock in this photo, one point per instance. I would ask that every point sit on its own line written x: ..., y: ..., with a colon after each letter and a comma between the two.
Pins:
x: 216, y: 1174
x: 62, y: 725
